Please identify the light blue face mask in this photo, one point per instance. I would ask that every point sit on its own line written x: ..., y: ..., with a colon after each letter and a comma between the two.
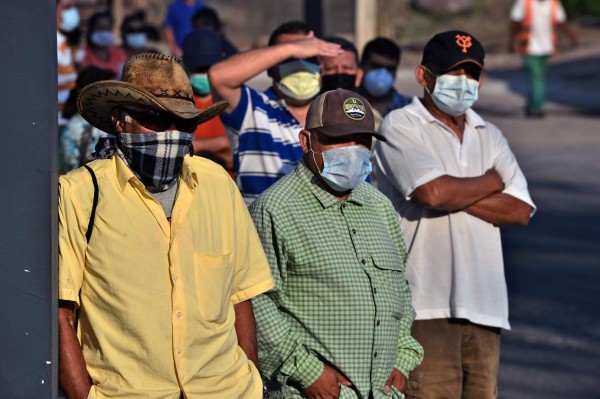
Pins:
x: 378, y: 82
x: 454, y: 94
x: 103, y: 38
x: 136, y: 40
x: 345, y: 168
x: 69, y: 19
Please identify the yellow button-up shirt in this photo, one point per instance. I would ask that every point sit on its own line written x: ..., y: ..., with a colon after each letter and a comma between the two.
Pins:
x: 156, y: 298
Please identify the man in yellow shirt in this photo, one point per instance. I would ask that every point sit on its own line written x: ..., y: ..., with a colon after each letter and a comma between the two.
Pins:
x: 163, y: 285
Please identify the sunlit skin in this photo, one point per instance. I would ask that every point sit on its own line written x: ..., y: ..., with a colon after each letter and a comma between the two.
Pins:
x: 426, y: 79
x: 320, y: 143
x: 344, y: 63
x: 274, y: 73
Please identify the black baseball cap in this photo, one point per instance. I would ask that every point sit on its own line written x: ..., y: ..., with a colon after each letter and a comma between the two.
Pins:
x: 340, y: 112
x: 446, y: 50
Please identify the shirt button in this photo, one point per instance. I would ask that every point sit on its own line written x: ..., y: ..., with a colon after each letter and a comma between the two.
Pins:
x: 363, y: 261
x: 175, y: 278
x: 179, y: 351
x: 378, y: 322
x: 353, y: 231
x: 374, y: 290
x: 179, y: 315
x: 375, y: 354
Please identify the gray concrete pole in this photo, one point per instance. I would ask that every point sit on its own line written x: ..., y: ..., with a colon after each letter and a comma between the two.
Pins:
x: 28, y: 231
x: 365, y: 22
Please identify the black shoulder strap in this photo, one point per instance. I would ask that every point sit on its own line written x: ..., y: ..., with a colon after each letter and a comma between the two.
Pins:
x: 88, y: 233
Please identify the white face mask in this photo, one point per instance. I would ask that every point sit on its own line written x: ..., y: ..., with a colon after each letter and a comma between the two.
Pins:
x: 454, y: 94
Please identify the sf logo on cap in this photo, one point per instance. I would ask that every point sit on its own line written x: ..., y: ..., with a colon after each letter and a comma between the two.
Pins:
x: 464, y: 41
x: 354, y: 108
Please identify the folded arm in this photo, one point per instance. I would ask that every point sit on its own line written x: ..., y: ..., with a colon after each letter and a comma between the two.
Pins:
x: 450, y: 193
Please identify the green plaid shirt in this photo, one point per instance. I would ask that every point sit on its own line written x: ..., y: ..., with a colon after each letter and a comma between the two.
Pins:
x: 340, y: 295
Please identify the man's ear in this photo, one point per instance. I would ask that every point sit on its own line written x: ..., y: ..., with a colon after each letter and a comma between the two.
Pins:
x: 304, y: 137
x: 420, y: 75
x: 115, y: 115
x: 360, y: 74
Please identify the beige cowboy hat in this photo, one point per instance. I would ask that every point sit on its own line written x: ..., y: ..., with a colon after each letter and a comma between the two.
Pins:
x: 154, y: 80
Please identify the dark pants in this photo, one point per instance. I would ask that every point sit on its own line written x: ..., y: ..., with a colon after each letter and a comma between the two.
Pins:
x: 461, y: 360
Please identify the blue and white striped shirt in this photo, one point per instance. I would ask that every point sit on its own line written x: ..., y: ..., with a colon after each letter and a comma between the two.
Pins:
x: 264, y: 140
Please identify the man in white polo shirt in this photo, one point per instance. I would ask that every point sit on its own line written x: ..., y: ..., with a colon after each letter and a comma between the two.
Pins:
x: 453, y: 179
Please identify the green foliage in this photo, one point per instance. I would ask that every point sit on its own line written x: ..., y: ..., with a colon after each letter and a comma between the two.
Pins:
x: 582, y: 8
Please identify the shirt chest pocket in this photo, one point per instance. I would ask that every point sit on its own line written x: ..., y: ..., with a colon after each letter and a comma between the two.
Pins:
x: 213, y: 275
x: 390, y: 281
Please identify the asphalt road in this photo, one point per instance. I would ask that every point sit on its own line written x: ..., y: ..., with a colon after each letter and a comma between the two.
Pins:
x: 553, y: 265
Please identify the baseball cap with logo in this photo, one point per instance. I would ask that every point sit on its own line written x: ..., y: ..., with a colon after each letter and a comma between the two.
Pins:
x: 448, y: 49
x: 338, y: 113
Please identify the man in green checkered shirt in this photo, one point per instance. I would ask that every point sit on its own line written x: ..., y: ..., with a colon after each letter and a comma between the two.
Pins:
x: 337, y: 323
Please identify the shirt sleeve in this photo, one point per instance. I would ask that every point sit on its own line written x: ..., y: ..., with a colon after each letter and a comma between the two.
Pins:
x: 506, y: 165
x: 252, y: 273
x: 409, y: 351
x: 517, y: 11
x: 561, y: 15
x: 170, y: 19
x: 403, y: 159
x: 72, y: 245
x: 282, y: 354
x: 235, y: 118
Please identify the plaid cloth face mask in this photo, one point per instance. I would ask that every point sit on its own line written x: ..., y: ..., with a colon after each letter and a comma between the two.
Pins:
x: 155, y: 158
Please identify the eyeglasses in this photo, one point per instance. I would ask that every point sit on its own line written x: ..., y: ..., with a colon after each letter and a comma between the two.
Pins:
x: 159, y: 121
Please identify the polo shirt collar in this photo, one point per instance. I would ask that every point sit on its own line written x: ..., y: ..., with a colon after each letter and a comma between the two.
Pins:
x: 125, y: 175
x: 325, y: 198
x: 417, y: 108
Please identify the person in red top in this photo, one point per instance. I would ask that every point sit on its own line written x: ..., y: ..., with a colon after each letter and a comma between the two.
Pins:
x: 202, y: 49
x: 101, y: 50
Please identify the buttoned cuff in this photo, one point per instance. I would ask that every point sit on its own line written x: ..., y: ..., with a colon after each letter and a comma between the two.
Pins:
x: 307, y: 368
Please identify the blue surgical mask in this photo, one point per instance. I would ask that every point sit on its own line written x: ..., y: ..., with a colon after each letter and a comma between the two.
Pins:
x: 69, y: 19
x: 454, y: 94
x: 103, y: 38
x: 345, y: 168
x: 378, y: 82
x: 136, y: 40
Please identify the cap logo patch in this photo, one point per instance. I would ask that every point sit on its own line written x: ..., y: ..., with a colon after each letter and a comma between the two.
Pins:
x: 354, y: 108
x: 464, y: 41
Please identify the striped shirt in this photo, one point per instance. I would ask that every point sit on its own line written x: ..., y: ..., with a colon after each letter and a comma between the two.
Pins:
x: 264, y: 140
x: 340, y: 296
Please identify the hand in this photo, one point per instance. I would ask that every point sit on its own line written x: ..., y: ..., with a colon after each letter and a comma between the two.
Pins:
x: 312, y: 46
x: 396, y: 379
x: 327, y: 385
x: 496, y: 176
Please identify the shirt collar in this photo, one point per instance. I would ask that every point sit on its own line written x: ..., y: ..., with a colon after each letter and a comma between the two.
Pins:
x: 318, y: 188
x: 417, y: 108
x: 125, y: 175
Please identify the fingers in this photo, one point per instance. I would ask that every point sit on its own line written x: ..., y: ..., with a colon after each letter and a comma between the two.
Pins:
x: 343, y: 380
x: 389, y: 382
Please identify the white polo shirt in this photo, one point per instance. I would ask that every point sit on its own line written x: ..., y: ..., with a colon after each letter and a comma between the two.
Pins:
x: 455, y: 266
